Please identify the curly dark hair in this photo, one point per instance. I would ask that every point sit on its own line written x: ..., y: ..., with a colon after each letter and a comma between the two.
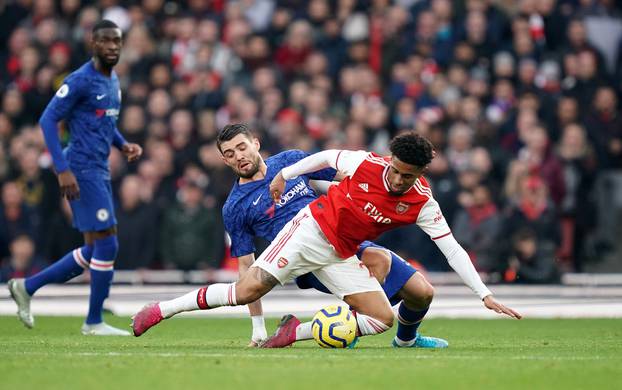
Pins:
x: 412, y: 148
x: 228, y: 132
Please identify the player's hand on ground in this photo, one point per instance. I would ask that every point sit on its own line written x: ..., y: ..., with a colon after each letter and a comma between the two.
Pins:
x: 500, y: 308
x: 277, y: 187
x: 132, y: 151
x: 68, y: 185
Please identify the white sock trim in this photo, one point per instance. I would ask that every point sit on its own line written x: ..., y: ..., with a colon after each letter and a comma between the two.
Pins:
x: 368, y: 325
x: 259, y: 328
x: 304, y: 331
x: 403, y: 343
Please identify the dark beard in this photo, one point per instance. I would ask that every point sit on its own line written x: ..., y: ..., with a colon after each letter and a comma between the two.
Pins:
x: 250, y: 174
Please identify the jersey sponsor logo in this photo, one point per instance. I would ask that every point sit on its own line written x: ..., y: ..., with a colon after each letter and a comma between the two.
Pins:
x: 257, y: 200
x: 402, y: 207
x: 438, y: 217
x: 102, y: 215
x: 62, y: 91
x: 99, y: 112
x: 282, y: 263
x: 375, y: 214
x: 100, y: 97
x: 364, y: 187
x: 299, y: 189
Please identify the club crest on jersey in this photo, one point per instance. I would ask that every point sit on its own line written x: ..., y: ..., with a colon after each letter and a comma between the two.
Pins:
x: 103, y: 215
x: 402, y: 207
x: 282, y: 263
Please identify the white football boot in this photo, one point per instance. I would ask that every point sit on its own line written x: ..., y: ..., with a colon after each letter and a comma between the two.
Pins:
x: 18, y: 292
x: 102, y: 329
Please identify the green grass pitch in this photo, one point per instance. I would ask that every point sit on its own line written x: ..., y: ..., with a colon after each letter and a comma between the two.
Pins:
x: 189, y: 353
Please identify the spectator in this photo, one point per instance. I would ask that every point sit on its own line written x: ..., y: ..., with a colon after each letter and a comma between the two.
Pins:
x: 533, y: 210
x: 15, y: 217
x: 477, y: 226
x: 190, y: 233
x: 577, y: 207
x: 605, y: 128
x: 38, y: 186
x: 531, y: 261
x: 138, y: 221
x: 22, y: 261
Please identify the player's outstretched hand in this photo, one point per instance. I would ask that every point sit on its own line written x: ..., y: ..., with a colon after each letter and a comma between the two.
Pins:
x: 500, y: 308
x: 132, y: 151
x: 68, y: 185
x: 277, y: 187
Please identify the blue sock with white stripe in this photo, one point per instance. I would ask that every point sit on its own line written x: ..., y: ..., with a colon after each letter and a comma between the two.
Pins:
x: 102, y: 270
x: 68, y: 267
x: 408, y: 323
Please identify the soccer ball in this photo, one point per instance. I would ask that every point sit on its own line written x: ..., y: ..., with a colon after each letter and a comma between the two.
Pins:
x: 334, y: 327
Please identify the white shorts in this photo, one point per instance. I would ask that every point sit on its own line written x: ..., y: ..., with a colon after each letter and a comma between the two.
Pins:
x: 301, y: 247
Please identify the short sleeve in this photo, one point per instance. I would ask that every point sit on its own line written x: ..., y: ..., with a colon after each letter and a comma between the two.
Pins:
x: 432, y: 221
x: 347, y: 162
x: 66, y: 97
x: 239, y: 232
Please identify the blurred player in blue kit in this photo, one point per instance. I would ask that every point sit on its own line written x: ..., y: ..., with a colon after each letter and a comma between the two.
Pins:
x: 89, y: 102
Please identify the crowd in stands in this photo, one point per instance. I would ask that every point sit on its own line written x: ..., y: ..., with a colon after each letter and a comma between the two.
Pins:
x: 520, y: 98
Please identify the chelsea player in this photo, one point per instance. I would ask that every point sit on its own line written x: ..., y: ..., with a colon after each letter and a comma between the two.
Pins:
x: 250, y: 211
x: 89, y: 102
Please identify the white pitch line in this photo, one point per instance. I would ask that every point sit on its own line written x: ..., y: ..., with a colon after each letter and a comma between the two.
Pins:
x: 441, y: 356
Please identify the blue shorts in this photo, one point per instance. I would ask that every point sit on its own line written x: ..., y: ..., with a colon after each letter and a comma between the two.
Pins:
x: 399, y: 274
x: 94, y: 211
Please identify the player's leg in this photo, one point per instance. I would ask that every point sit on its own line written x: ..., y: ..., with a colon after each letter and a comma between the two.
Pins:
x: 376, y: 258
x: 280, y: 262
x: 94, y: 215
x: 66, y: 268
x: 351, y: 281
x: 101, y: 267
x: 417, y: 294
x: 254, y: 284
x: 405, y: 285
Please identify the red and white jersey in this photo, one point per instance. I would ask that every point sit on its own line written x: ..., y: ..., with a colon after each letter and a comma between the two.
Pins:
x: 361, y: 207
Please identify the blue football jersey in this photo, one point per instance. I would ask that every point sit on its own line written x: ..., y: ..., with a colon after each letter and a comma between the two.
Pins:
x: 89, y: 102
x: 249, y: 210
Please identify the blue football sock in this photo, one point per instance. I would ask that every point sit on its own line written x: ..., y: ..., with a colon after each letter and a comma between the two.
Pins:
x: 408, y: 322
x: 68, y: 267
x: 102, y: 270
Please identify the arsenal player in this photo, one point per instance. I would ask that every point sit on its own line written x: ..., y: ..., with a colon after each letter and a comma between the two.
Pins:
x: 376, y: 195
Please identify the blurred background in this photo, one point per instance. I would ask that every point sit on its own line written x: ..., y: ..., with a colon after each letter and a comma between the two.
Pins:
x: 520, y: 98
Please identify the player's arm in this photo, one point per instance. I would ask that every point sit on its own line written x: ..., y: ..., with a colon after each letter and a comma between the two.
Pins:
x: 321, y: 186
x: 345, y: 162
x: 57, y: 110
x: 431, y: 220
x: 130, y: 150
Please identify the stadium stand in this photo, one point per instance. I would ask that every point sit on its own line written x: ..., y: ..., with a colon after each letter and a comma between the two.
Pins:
x: 521, y: 99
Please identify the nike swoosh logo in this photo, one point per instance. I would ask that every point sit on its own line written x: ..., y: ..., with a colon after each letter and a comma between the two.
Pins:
x: 100, y: 97
x: 257, y: 200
